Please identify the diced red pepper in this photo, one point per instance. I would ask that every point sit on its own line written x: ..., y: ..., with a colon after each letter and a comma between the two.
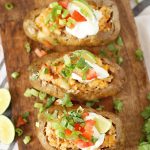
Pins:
x: 91, y: 74
x: 78, y: 127
x: 78, y: 17
x: 68, y: 132
x: 64, y: 3
x: 87, y: 134
x: 85, y: 114
x: 20, y: 122
x: 40, y: 53
x: 83, y: 144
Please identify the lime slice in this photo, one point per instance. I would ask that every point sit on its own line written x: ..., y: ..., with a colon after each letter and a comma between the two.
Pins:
x: 4, y: 100
x: 102, y: 124
x: 7, y: 130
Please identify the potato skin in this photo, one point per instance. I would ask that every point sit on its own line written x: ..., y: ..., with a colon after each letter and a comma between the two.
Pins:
x: 85, y: 94
x: 114, y: 118
x: 100, y: 38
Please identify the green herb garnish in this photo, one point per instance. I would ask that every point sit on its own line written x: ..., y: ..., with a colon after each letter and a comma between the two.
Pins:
x: 146, y: 127
x: 27, y: 47
x: 19, y: 131
x: 146, y: 113
x: 119, y: 41
x: 42, y: 95
x: 66, y: 101
x: 25, y: 115
x: 118, y: 105
x: 9, y: 6
x: 27, y: 139
x: 50, y: 101
x: 144, y: 146
x: 148, y: 96
x: 139, y: 55
x: 15, y: 75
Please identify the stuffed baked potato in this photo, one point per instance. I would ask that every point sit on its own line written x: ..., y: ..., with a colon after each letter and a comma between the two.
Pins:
x: 74, y: 22
x: 80, y: 73
x: 79, y: 128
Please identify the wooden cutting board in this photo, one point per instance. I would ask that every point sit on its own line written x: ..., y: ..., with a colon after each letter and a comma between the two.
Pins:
x: 17, y: 59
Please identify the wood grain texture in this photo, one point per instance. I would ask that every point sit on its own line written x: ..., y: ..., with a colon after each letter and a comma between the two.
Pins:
x: 16, y: 58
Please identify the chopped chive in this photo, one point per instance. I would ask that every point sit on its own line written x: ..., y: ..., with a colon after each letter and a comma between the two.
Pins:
x: 34, y: 92
x: 120, y: 41
x: 139, y: 54
x: 148, y: 96
x: 27, y: 93
x: 15, y: 75
x: 42, y: 95
x: 26, y: 139
x: 66, y: 101
x: 100, y: 108
x: 90, y: 104
x: 119, y: 60
x: 118, y: 105
x: 19, y: 131
x: 27, y: 47
x: 25, y: 115
x: 9, y: 6
x: 50, y: 101
x: 103, y: 53
x: 38, y: 105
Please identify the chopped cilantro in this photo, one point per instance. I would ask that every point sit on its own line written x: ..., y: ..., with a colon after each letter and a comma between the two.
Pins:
x: 50, y: 101
x: 118, y: 105
x: 146, y: 127
x: 119, y: 41
x: 148, y: 96
x: 146, y: 113
x: 66, y: 101
x: 139, y: 54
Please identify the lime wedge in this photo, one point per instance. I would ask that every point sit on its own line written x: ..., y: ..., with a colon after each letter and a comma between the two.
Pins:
x: 102, y: 124
x: 4, y: 100
x: 7, y: 130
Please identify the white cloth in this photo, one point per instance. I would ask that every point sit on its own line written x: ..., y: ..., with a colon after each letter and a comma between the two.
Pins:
x: 143, y: 26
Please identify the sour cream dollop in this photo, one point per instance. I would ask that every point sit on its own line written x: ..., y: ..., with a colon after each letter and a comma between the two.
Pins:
x: 86, y: 28
x: 101, y: 73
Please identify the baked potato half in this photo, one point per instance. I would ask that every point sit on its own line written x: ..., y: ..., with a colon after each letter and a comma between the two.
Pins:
x: 80, y: 73
x: 74, y: 23
x: 79, y: 128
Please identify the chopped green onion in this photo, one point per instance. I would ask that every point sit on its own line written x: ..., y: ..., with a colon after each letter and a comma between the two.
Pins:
x: 80, y: 110
x: 90, y: 104
x: 37, y: 124
x: 148, y: 96
x: 27, y: 47
x: 60, y: 134
x: 67, y: 60
x: 58, y: 12
x: 41, y: 109
x: 70, y: 22
x: 120, y: 41
x: 70, y: 127
x: 15, y: 75
x: 53, y: 27
x: 94, y: 139
x: 112, y: 47
x: 19, y: 131
x: 25, y: 115
x: 118, y: 105
x: 119, y: 60
x: 54, y: 4
x: 42, y: 95
x: 50, y: 101
x: 78, y: 120
x: 27, y: 93
x: 66, y: 101
x: 38, y: 105
x: 84, y: 12
x: 64, y: 122
x: 55, y: 114
x: 100, y: 108
x: 27, y: 139
x: 139, y: 55
x: 103, y: 53
x: 65, y: 13
x: 9, y: 6
x: 34, y: 92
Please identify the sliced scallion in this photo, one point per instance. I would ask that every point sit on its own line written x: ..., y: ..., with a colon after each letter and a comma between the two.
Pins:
x: 27, y: 47
x: 42, y: 95
x: 15, y: 75
x: 9, y: 6
x: 19, y: 131
x: 26, y: 139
